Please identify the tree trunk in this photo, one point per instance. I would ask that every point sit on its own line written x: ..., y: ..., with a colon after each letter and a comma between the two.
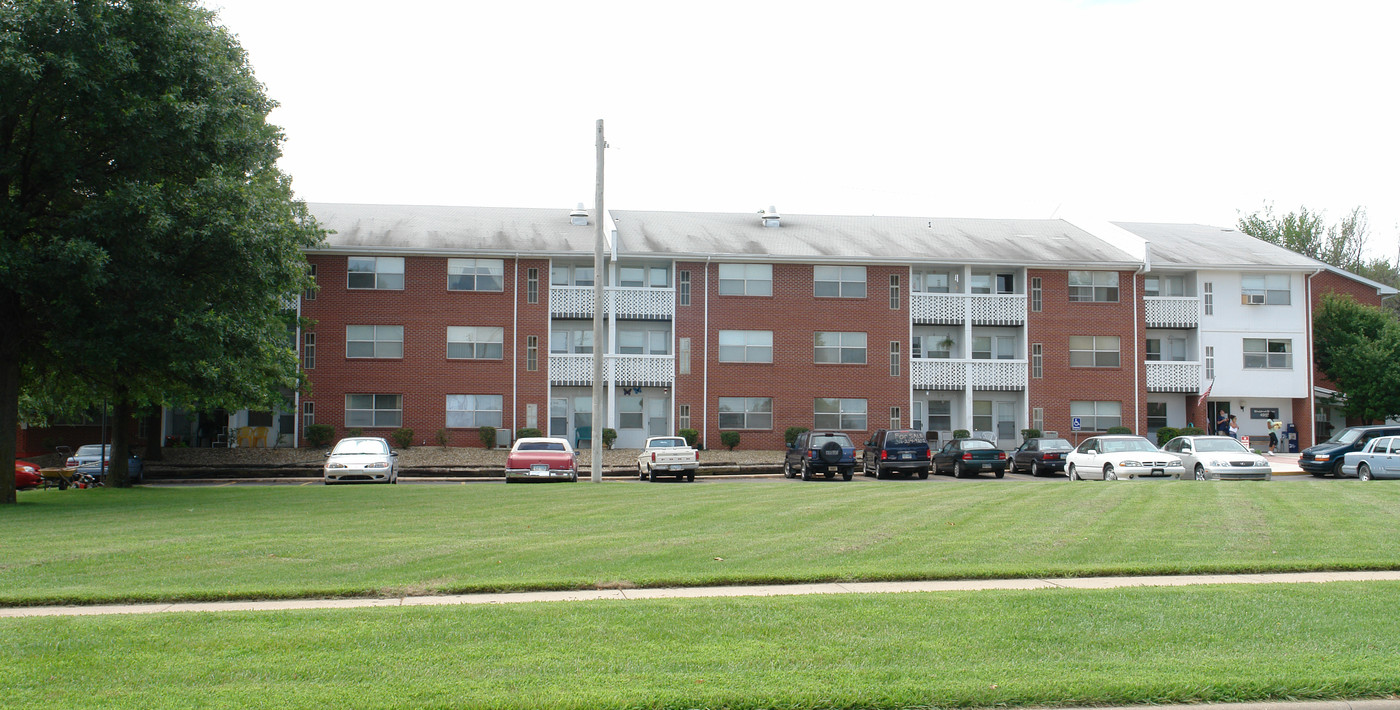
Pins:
x: 117, y: 474
x: 9, y: 428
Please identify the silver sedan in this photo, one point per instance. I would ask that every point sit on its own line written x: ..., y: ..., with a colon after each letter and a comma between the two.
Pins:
x: 1379, y: 458
x: 1219, y: 458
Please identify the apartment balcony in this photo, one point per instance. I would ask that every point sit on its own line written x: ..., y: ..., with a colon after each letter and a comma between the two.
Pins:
x: 948, y: 374
x: 1175, y: 376
x: 629, y: 370
x: 956, y: 308
x: 1173, y: 311
x: 632, y: 303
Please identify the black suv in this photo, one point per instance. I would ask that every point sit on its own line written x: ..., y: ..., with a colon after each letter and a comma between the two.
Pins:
x: 897, y: 450
x: 827, y: 452
x: 1322, y: 459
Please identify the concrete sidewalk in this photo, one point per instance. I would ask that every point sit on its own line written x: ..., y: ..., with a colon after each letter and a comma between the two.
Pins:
x: 971, y: 585
x: 1388, y: 704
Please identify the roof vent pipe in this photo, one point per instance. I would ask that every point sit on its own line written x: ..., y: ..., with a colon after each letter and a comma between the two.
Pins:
x: 579, y: 216
x: 770, y: 217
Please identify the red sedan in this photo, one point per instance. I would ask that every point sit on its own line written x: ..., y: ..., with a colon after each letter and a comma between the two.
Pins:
x: 27, y: 475
x: 541, y: 459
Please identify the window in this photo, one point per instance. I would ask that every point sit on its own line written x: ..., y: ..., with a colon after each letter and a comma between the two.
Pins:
x: 992, y: 283
x: 638, y: 342
x: 376, y: 272
x: 683, y: 356
x: 894, y: 359
x: 374, y: 410
x: 468, y: 411
x: 746, y: 412
x: 1038, y: 418
x: 311, y: 292
x: 1093, y: 351
x: 1208, y: 296
x: 682, y: 417
x: 982, y: 415
x: 846, y: 348
x: 476, y: 274
x: 1006, y: 283
x: 895, y: 418
x: 658, y: 277
x: 474, y: 342
x: 374, y: 341
x: 838, y: 281
x: 629, y: 413
x: 1156, y: 416
x: 532, y: 285
x: 1096, y: 286
x: 577, y: 342
x: 1168, y: 349
x: 308, y: 415
x: 894, y: 292
x: 308, y: 351
x: 940, y: 415
x: 632, y: 276
x: 658, y: 342
x: 1035, y: 294
x: 746, y: 279
x: 989, y: 347
x: 569, y: 275
x: 932, y: 346
x: 934, y: 282
x: 1037, y: 361
x: 683, y: 288
x: 1268, y: 354
x: 532, y: 353
x: 1210, y: 363
x: 1172, y: 286
x: 1265, y: 290
x: 846, y: 414
x: 746, y: 346
x: 1097, y: 416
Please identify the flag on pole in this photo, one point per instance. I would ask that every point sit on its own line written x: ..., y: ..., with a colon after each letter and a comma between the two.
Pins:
x: 1205, y: 393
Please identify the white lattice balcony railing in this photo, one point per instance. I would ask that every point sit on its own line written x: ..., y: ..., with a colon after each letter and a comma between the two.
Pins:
x: 947, y: 374
x: 1173, y: 376
x: 1173, y: 311
x: 632, y: 303
x: 953, y: 308
x: 577, y: 370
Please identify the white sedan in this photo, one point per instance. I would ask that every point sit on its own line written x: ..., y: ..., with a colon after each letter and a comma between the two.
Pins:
x: 1114, y: 457
x: 362, y: 458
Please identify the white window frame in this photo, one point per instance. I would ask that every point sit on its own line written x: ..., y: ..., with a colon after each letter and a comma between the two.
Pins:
x: 682, y: 417
x: 486, y: 275
x: 683, y: 357
x: 1266, y: 290
x: 387, y: 273
x: 1093, y: 286
x: 747, y: 413
x: 485, y: 342
x: 385, y: 411
x: 1210, y: 362
x: 471, y: 411
x: 942, y: 411
x: 1153, y: 286
x: 683, y: 287
x: 308, y: 350
x: 1097, y: 415
x: 998, y: 347
x: 308, y: 416
x: 839, y: 414
x: 1037, y: 361
x: 1036, y: 294
x: 1208, y: 297
x: 842, y: 349
x: 838, y: 281
x: 1158, y: 421
x: 385, y: 341
x: 928, y: 282
x: 746, y: 346
x: 745, y: 280
x: 894, y: 359
x: 1264, y: 356
x: 1100, y: 350
x: 1175, y: 350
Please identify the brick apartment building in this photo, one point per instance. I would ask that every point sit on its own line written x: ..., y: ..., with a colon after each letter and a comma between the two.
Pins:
x: 442, y: 318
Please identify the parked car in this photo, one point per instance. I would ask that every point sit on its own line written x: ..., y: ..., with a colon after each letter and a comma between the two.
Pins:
x: 1041, y: 456
x: 963, y: 457
x: 95, y: 459
x: 27, y: 475
x: 667, y: 455
x: 365, y: 459
x: 1113, y: 457
x: 1380, y: 458
x: 891, y: 451
x: 538, y: 458
x: 825, y: 452
x: 1218, y: 458
x: 1326, y: 458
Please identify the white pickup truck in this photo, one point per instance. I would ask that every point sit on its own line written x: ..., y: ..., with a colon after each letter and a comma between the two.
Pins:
x: 667, y: 456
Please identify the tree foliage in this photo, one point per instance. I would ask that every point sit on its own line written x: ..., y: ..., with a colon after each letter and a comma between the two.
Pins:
x: 149, y: 247
x: 1342, y: 245
x: 1358, y: 347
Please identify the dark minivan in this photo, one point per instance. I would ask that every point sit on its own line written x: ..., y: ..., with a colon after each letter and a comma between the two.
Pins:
x: 891, y: 451
x: 1326, y: 458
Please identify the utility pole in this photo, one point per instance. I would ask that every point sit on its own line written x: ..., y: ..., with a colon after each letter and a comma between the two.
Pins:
x: 596, y: 440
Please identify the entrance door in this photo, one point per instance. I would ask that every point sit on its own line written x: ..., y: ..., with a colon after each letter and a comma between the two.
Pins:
x: 1213, y: 410
x: 1006, y: 423
x: 657, y: 410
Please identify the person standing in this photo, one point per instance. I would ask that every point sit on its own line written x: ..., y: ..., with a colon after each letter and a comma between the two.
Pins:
x: 1274, y: 427
x: 1222, y: 423
x: 1234, y: 427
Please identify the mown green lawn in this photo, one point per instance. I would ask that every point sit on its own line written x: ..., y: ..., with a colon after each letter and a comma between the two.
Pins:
x: 1004, y: 648
x: 250, y: 542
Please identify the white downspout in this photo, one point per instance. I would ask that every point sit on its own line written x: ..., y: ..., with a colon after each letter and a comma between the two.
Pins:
x: 296, y: 396
x: 515, y: 354
x: 1139, y: 307
x: 705, y: 337
x: 1312, y: 384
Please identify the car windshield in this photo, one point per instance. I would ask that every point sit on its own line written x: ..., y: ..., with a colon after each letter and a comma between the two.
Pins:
x: 968, y: 444
x: 91, y: 450
x: 361, y: 446
x: 1055, y: 444
x: 820, y: 440
x: 1136, y: 443
x: 541, y: 446
x: 666, y: 443
x: 1229, y: 445
x: 1345, y: 436
x: 904, y: 438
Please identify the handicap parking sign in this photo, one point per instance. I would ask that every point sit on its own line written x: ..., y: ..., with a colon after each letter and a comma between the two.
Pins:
x: 1074, y: 423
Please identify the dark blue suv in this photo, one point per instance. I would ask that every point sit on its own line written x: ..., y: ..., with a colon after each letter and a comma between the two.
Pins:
x: 826, y: 452
x: 1326, y: 458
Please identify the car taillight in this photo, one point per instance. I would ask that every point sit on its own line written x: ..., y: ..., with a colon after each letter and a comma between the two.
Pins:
x: 930, y: 454
x: 1001, y: 455
x: 70, y: 463
x: 653, y: 457
x: 884, y: 455
x: 967, y: 457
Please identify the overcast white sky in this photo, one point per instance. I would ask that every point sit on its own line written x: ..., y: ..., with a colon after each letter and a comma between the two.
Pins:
x: 1157, y: 110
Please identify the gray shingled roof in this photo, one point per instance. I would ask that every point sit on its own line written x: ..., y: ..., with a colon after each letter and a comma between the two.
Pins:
x: 881, y: 239
x: 448, y: 230
x: 1202, y: 246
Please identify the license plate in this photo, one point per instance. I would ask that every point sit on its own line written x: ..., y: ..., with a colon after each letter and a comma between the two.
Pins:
x: 676, y: 467
x: 906, y: 457
x: 537, y: 467
x: 1158, y: 472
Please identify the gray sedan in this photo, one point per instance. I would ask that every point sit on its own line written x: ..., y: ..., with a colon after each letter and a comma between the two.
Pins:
x: 1379, y: 458
x: 1219, y: 458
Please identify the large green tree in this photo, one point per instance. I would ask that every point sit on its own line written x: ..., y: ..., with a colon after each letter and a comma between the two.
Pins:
x: 1358, y: 347
x: 1342, y: 244
x: 149, y: 246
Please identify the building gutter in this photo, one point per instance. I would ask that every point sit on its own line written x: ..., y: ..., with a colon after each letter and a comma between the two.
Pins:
x: 515, y: 350
x: 1312, y: 369
x: 1139, y: 316
x: 705, y: 376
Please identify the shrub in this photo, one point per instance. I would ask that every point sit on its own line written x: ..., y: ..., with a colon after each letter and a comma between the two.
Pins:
x: 528, y: 432
x: 609, y: 436
x: 1118, y: 430
x: 790, y: 436
x: 1030, y: 433
x: 319, y: 435
x: 355, y: 432
x: 488, y: 436
x: 729, y: 438
x: 961, y: 434
x: 403, y: 437
x: 442, y: 438
x: 691, y: 436
x: 1166, y: 434
x: 1191, y: 431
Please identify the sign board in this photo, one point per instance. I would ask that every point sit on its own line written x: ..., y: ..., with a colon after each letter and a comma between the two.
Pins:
x: 1263, y: 412
x: 1074, y: 424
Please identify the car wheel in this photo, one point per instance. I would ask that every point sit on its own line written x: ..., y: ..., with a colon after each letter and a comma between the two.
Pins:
x: 1072, y: 473
x: 690, y: 477
x: 1035, y: 469
x: 1363, y: 472
x: 848, y: 474
x: 1200, y: 472
x: 1108, y: 474
x: 1001, y: 472
x: 787, y: 471
x: 1337, y: 470
x: 959, y: 470
x: 806, y: 471
x: 641, y: 473
x: 830, y: 474
x: 508, y: 480
x: 573, y: 478
x: 879, y: 472
x: 923, y: 473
